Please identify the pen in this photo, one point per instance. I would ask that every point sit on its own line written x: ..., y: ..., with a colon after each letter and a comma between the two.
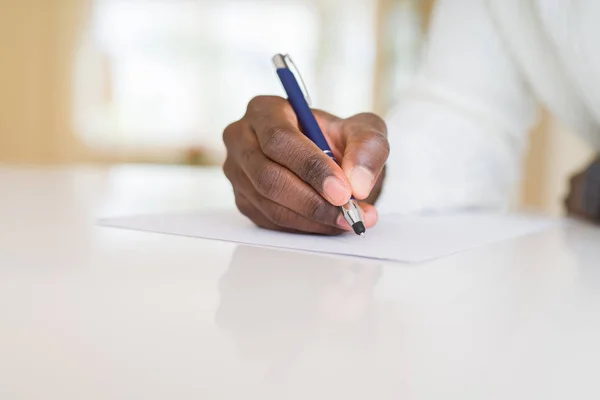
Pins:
x: 300, y: 102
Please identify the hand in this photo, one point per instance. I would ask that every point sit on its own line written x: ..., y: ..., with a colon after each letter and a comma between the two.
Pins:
x: 282, y: 181
x: 584, y: 195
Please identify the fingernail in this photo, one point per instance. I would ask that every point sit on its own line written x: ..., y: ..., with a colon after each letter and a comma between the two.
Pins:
x: 337, y: 192
x: 362, y: 181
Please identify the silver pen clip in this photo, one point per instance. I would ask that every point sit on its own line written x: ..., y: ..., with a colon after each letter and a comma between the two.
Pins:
x: 285, y: 61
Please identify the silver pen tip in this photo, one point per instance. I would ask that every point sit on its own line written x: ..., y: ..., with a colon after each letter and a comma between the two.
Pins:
x: 362, y: 235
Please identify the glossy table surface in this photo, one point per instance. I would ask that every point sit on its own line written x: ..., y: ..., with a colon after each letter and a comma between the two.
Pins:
x: 89, y: 312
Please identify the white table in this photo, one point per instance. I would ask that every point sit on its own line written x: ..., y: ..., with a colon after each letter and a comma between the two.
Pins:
x: 99, y: 313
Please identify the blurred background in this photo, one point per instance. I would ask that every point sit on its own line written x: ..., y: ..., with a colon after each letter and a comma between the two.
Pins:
x: 156, y: 81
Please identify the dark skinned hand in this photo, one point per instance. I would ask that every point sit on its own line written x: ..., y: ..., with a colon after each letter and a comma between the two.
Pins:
x: 283, y: 181
x: 583, y: 200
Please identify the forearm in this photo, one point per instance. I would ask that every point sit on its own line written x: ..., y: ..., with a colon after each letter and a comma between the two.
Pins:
x: 458, y: 135
x: 583, y: 199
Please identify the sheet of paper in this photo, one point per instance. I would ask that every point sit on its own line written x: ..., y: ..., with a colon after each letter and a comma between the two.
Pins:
x: 396, y: 237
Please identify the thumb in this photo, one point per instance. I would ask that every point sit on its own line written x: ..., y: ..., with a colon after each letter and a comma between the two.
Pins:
x: 365, y: 151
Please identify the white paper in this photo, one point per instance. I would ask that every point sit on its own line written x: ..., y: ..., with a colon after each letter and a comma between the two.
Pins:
x: 396, y: 237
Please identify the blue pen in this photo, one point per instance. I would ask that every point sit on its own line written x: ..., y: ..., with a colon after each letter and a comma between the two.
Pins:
x: 300, y: 103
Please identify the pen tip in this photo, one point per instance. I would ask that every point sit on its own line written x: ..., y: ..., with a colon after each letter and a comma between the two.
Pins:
x: 359, y: 228
x: 362, y: 234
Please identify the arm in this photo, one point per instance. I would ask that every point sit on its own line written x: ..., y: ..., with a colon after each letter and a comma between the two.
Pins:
x: 458, y: 135
x: 583, y: 200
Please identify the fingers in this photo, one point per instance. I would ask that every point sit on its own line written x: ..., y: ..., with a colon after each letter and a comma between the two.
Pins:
x: 370, y: 217
x: 270, y: 215
x: 283, y: 181
x: 276, y: 128
x: 256, y: 175
x: 271, y: 195
x: 249, y: 210
x: 273, y: 216
x: 366, y: 150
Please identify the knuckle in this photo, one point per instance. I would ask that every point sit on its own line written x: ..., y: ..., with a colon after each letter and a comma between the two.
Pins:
x: 384, y: 144
x: 227, y: 169
x: 230, y: 132
x: 243, y: 205
x: 255, y: 103
x: 277, y: 141
x: 237, y: 142
x: 374, y: 120
x: 314, y: 169
x: 279, y: 216
x: 376, y: 148
x: 233, y: 173
x: 258, y: 103
x: 268, y: 181
x: 248, y: 153
x: 317, y: 209
x: 313, y: 210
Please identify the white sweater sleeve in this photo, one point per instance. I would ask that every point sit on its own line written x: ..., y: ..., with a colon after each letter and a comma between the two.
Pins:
x: 458, y: 135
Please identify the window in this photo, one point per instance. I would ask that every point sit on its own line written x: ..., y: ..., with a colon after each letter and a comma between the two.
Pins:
x: 163, y: 74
